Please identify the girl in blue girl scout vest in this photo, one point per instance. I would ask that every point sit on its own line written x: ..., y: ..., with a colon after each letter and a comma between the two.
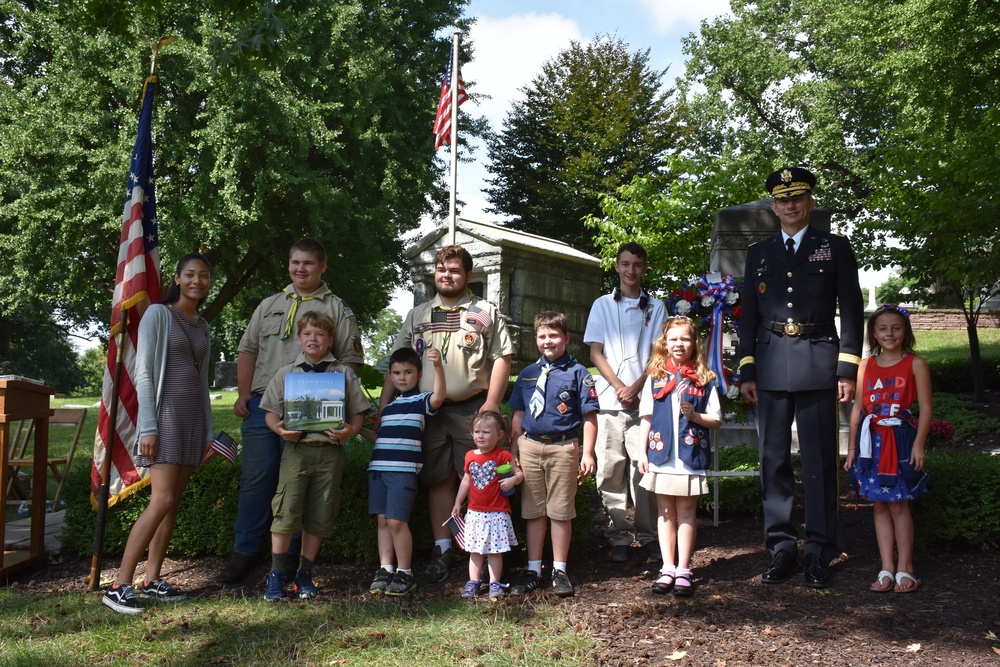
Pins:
x: 678, y: 405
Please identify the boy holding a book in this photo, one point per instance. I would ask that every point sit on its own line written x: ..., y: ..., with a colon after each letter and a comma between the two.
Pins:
x: 312, y: 463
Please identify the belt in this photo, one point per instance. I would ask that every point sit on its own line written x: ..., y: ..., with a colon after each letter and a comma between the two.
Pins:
x: 553, y: 439
x: 795, y: 329
x: 474, y: 397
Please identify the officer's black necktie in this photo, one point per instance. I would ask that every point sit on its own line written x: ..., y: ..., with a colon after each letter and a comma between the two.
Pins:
x: 790, y: 247
x: 314, y: 368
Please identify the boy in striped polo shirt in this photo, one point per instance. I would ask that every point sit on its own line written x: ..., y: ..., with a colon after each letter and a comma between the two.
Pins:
x: 395, y: 462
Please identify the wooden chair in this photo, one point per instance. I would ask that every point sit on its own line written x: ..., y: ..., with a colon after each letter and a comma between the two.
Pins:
x: 61, y: 417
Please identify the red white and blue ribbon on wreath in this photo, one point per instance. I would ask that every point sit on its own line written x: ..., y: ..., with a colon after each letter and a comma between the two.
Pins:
x: 718, y: 292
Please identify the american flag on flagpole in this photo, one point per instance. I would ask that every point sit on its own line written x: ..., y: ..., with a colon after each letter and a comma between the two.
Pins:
x: 137, y: 284
x: 443, y: 120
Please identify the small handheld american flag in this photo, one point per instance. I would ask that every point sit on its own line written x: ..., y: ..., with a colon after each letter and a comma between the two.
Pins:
x: 225, y: 446
x: 456, y: 524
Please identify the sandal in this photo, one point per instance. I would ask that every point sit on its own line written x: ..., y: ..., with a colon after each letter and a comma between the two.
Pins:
x: 878, y: 586
x: 682, y: 584
x: 899, y: 580
x: 665, y: 583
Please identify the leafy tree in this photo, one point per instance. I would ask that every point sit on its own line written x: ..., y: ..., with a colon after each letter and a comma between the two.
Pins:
x: 380, y: 335
x: 897, y: 289
x: 274, y: 120
x: 92, y: 364
x: 595, y: 118
x: 891, y: 103
x: 34, y: 345
x: 673, y: 224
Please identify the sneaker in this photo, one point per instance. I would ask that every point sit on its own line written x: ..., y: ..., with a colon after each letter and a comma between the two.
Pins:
x: 401, y: 584
x: 560, y: 583
x: 526, y: 583
x: 381, y: 581
x: 121, y: 598
x: 238, y: 568
x: 303, y: 586
x: 497, y: 590
x: 471, y: 589
x: 275, y: 586
x: 161, y: 590
x: 437, y: 570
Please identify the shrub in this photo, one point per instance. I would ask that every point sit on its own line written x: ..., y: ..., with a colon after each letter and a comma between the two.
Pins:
x: 955, y: 375
x: 962, y: 504
x: 736, y: 494
x: 205, y: 517
x: 207, y: 514
x: 966, y: 419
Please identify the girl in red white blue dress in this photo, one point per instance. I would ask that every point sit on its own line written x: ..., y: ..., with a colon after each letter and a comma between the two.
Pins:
x: 678, y: 406
x: 885, y: 456
x: 489, y: 532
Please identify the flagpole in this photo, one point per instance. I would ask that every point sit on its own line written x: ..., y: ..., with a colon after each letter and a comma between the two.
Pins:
x: 452, y: 199
x: 109, y: 446
x: 104, y: 492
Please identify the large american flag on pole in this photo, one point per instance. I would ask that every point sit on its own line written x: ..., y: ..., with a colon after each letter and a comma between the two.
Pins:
x: 137, y: 284
x: 443, y: 120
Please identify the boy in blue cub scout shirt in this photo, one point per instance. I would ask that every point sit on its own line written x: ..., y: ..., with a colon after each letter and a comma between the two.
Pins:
x: 312, y: 463
x: 395, y: 462
x: 551, y: 399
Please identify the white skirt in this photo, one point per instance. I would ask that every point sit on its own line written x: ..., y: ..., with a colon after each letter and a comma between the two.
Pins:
x: 488, y: 532
x: 669, y: 484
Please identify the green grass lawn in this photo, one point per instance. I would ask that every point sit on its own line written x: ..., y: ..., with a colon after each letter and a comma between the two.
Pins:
x: 76, y: 629
x: 954, y: 344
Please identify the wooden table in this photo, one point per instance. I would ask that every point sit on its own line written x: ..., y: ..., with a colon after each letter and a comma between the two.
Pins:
x: 20, y: 400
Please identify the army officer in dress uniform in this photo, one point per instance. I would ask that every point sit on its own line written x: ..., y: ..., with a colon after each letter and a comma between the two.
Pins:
x: 794, y: 365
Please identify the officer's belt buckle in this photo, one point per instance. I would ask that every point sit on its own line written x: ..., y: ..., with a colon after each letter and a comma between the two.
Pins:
x: 792, y: 329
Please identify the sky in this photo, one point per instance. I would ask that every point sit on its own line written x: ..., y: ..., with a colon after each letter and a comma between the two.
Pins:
x: 513, y: 38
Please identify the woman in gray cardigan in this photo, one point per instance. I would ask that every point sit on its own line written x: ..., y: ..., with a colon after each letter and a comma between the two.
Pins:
x: 174, y: 425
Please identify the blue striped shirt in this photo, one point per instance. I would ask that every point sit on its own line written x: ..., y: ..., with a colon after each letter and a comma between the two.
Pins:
x: 398, y: 446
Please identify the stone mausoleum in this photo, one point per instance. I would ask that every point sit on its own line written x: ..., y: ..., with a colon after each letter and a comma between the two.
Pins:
x: 523, y: 274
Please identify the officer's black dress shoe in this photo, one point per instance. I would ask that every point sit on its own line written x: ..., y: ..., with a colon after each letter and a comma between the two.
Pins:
x: 816, y: 573
x: 781, y: 568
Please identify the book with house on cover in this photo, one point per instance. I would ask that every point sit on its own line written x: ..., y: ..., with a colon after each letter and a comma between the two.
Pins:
x: 314, y: 401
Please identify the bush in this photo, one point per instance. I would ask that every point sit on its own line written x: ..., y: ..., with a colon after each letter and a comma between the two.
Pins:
x: 205, y: 518
x: 207, y: 514
x: 962, y: 504
x: 966, y: 418
x: 955, y: 375
x: 736, y: 494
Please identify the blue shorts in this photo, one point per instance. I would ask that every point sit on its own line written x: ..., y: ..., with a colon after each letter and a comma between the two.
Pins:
x: 391, y: 493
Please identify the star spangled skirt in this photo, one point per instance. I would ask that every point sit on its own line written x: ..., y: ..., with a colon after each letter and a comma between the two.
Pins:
x: 488, y: 532
x: 908, y: 483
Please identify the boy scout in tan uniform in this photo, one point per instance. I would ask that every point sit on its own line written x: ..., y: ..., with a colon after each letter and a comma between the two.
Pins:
x: 476, y: 352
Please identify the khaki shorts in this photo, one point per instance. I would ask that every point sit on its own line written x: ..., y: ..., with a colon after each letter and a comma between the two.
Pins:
x: 550, y: 474
x: 447, y: 440
x: 308, y: 493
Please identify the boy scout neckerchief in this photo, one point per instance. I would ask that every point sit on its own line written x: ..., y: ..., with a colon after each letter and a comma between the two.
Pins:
x: 674, y: 375
x: 294, y: 308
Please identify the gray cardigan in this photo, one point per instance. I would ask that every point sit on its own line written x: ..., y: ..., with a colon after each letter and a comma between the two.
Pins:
x: 150, y: 367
